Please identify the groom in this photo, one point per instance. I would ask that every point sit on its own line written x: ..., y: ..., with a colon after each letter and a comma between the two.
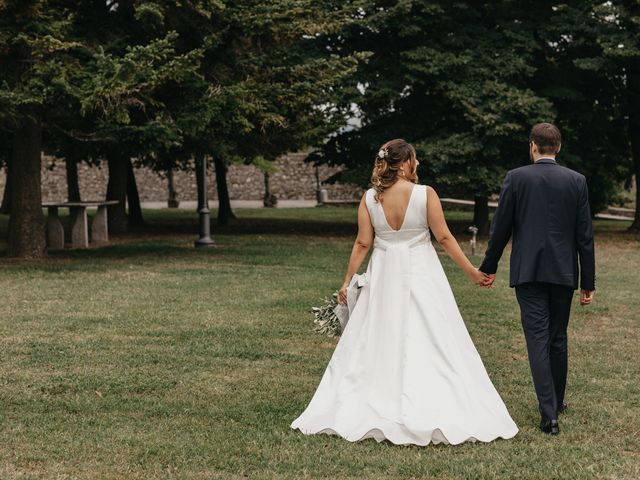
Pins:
x: 545, y: 207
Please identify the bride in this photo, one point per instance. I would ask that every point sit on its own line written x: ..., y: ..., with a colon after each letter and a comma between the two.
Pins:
x: 405, y: 368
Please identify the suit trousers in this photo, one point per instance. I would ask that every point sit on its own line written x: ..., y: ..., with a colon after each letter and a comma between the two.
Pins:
x: 544, y: 312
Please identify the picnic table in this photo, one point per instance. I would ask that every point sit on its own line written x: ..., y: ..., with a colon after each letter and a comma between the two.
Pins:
x: 79, y: 223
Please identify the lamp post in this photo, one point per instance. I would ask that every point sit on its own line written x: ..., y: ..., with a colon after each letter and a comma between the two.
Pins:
x: 204, y: 221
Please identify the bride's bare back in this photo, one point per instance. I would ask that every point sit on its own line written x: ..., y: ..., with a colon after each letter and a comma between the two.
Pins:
x: 395, y: 202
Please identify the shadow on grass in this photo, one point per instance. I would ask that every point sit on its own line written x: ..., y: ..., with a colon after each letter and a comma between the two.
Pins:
x: 296, y: 225
x: 164, y: 237
x: 251, y: 226
x: 172, y: 233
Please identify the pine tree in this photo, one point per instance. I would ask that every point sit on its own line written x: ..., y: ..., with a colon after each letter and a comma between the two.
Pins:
x: 36, y: 53
x: 464, y: 82
x: 268, y: 82
x: 592, y: 51
x: 67, y: 70
x: 453, y: 79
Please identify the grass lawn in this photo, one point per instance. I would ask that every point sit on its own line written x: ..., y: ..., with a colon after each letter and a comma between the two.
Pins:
x: 149, y: 359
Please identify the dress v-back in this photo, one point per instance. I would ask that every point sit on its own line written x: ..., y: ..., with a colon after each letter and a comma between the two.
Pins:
x: 405, y: 368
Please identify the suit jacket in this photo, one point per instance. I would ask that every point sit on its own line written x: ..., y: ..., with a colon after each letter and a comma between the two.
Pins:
x: 545, y: 207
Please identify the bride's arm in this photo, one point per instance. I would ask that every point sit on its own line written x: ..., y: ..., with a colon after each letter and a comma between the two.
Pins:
x: 438, y: 225
x: 360, y: 247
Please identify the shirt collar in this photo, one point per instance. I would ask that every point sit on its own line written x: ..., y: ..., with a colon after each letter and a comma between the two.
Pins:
x: 546, y: 160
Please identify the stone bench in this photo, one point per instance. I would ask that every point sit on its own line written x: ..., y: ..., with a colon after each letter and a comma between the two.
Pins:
x: 79, y: 224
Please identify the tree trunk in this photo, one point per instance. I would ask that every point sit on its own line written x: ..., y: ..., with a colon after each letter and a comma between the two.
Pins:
x: 481, y: 214
x: 633, y: 86
x: 6, y: 197
x: 269, y: 200
x: 26, y: 223
x: 172, y: 201
x: 135, y: 210
x: 117, y: 190
x: 224, y: 209
x: 73, y: 189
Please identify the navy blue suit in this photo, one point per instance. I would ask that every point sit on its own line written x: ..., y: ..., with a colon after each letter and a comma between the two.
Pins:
x: 544, y: 207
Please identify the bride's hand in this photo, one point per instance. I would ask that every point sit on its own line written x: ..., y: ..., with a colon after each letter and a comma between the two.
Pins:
x: 342, y: 293
x: 477, y: 277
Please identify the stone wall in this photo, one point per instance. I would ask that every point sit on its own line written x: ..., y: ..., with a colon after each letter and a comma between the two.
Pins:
x: 294, y: 179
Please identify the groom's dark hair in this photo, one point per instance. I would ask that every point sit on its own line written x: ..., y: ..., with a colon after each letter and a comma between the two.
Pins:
x: 547, y: 138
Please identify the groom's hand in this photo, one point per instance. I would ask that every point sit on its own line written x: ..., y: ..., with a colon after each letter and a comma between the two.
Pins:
x: 586, y: 297
x: 488, y: 280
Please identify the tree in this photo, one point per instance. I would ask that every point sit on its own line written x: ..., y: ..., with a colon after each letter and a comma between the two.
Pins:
x: 26, y: 223
x: 586, y: 71
x: 61, y: 72
x: 117, y: 190
x: 137, y: 121
x: 224, y: 201
x: 615, y: 60
x: 73, y: 188
x: 135, y: 209
x: 453, y: 78
x: 35, y: 54
x: 266, y: 75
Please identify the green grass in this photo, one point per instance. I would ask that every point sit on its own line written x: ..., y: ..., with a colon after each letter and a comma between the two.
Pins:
x: 148, y: 359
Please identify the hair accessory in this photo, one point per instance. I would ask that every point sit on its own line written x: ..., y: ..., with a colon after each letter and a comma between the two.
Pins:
x: 383, y: 153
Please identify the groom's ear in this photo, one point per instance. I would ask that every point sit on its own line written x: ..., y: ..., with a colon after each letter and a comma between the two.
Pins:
x: 559, y: 147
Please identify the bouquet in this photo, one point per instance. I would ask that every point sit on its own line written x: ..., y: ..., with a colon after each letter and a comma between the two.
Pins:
x: 326, y: 321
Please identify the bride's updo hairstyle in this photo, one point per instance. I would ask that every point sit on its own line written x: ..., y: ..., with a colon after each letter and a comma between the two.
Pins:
x: 386, y: 169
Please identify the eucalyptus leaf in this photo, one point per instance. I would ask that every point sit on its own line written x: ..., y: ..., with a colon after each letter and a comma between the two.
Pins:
x: 325, y: 319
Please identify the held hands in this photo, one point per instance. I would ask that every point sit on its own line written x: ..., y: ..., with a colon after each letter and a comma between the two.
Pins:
x: 481, y: 279
x: 586, y: 297
x: 490, y: 278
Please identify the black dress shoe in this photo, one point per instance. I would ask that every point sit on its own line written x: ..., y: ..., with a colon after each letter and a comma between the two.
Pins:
x: 562, y: 408
x: 550, y: 426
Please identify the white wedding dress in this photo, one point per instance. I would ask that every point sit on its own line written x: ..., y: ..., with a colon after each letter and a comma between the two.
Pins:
x: 405, y: 368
